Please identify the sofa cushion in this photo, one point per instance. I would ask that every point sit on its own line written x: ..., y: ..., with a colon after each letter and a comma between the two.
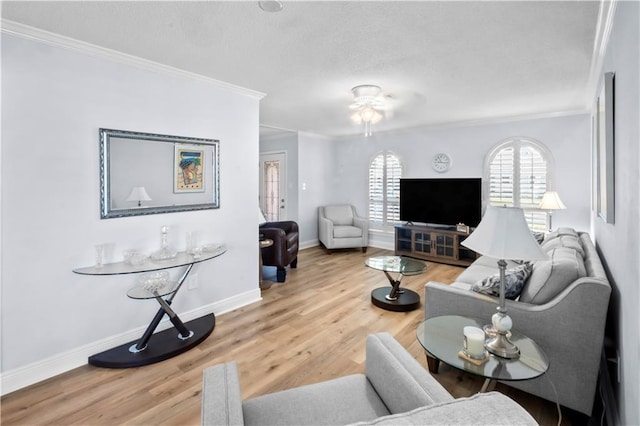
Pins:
x: 339, y: 401
x: 339, y: 215
x: 568, y: 241
x: 476, y: 272
x: 515, y: 279
x: 347, y: 232
x: 491, y: 408
x: 550, y: 277
x: 560, y: 232
x: 398, y: 378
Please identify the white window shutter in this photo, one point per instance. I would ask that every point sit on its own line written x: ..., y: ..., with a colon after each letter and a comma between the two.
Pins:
x: 518, y: 177
x: 501, y: 177
x: 385, y: 172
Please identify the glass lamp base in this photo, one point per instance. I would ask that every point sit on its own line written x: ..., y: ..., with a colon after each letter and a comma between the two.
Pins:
x: 500, y: 345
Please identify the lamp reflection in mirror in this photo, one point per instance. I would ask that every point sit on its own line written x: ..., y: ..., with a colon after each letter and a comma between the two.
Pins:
x: 139, y: 194
x: 551, y: 201
x: 503, y: 233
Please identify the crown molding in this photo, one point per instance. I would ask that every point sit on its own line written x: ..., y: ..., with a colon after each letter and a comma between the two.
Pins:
x: 600, y: 42
x: 57, y: 40
x: 470, y: 123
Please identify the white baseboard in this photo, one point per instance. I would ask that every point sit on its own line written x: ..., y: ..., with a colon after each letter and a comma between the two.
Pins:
x: 379, y: 240
x: 35, y: 372
x: 308, y: 244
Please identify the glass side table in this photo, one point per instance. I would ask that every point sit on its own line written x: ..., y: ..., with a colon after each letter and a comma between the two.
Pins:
x: 396, y: 299
x: 442, y: 338
x: 151, y: 348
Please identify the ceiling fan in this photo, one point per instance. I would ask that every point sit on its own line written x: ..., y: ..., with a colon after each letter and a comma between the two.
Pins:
x: 369, y: 105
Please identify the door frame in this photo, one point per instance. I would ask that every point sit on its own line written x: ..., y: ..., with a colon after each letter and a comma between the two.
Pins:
x: 283, y: 215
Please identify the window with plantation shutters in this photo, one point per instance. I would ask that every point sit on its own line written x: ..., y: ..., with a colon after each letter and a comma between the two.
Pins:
x: 518, y: 173
x: 385, y: 172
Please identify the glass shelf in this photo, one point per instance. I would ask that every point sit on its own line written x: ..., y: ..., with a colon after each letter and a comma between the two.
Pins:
x: 139, y: 292
x: 181, y: 259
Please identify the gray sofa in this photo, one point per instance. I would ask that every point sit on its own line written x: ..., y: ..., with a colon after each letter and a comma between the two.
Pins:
x: 395, y: 390
x: 563, y: 307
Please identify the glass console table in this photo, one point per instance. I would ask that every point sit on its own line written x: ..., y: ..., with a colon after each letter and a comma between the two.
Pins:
x: 151, y: 348
x: 396, y: 298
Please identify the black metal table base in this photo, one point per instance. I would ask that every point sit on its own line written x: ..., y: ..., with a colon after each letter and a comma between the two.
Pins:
x: 162, y: 345
x: 405, y: 300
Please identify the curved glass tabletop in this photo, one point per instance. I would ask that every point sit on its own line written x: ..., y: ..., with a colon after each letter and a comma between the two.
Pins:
x: 402, y: 265
x: 442, y: 337
x: 181, y: 259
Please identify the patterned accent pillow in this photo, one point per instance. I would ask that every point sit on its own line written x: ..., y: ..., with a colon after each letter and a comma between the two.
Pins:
x: 514, y: 278
x: 539, y: 236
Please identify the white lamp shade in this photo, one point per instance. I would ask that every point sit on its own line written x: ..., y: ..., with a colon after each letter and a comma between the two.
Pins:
x: 138, y: 193
x: 551, y: 201
x: 261, y: 218
x: 503, y: 233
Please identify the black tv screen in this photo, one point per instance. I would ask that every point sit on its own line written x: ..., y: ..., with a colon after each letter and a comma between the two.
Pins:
x: 441, y: 201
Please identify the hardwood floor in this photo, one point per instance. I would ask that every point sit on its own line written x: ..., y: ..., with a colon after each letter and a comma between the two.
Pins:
x: 308, y: 329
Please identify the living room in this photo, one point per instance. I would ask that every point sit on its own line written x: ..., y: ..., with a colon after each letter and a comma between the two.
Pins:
x: 58, y: 92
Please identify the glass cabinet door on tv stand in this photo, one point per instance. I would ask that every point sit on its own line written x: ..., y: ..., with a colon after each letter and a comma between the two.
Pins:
x: 432, y: 243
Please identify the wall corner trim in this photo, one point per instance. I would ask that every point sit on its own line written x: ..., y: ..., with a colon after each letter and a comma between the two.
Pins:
x: 57, y: 40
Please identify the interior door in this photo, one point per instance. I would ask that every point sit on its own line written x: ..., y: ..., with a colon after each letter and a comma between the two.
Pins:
x: 273, y: 185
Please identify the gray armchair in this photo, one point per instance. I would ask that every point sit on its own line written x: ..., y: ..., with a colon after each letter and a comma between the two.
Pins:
x: 339, y: 226
x: 395, y: 389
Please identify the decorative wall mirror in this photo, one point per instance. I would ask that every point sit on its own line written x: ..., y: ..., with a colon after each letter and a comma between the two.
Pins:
x: 142, y: 173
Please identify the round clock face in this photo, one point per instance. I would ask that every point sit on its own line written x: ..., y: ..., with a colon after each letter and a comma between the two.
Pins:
x: 441, y: 162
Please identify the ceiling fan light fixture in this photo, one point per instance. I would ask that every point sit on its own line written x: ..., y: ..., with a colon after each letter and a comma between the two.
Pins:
x: 270, y: 6
x: 367, y: 104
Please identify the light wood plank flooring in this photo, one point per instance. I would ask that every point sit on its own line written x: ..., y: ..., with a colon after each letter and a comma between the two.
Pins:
x: 308, y: 329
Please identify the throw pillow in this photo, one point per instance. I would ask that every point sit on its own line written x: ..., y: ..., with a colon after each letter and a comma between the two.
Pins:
x: 514, y: 280
x: 539, y: 236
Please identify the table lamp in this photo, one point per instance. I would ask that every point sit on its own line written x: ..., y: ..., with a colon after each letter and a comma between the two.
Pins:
x: 139, y: 194
x: 551, y: 201
x: 503, y: 233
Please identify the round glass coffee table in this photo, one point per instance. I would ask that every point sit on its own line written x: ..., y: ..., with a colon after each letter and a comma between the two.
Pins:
x: 396, y: 298
x: 442, y: 338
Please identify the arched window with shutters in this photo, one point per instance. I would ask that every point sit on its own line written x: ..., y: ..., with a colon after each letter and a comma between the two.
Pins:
x: 385, y: 171
x: 517, y: 173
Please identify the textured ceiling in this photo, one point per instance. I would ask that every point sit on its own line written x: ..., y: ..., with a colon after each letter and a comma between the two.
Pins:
x: 437, y: 62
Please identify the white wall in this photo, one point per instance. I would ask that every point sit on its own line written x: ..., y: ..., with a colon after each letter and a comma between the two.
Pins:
x: 568, y: 139
x: 58, y: 100
x: 618, y: 243
x: 315, y: 185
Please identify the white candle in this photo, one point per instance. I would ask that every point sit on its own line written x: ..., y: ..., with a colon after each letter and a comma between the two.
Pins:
x: 474, y: 342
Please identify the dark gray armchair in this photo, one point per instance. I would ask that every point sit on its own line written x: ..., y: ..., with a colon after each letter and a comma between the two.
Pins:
x: 284, y: 251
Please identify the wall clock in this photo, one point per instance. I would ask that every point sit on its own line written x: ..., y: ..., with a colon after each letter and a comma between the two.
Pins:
x: 441, y: 162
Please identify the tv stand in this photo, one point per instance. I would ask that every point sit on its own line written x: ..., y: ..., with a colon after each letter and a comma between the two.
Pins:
x: 436, y: 243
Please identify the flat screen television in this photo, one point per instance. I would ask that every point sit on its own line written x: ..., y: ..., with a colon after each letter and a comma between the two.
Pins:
x: 444, y: 202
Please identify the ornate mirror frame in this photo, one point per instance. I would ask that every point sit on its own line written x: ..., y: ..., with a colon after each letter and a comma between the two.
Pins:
x: 144, y: 173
